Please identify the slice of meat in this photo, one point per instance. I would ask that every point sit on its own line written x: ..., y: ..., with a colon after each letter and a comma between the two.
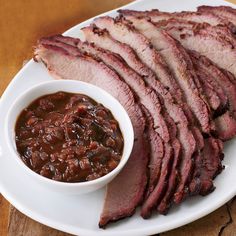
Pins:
x: 128, y: 187
x: 221, y: 82
x: 157, y: 154
x: 103, y: 40
x: 159, y: 190
x: 175, y: 111
x: 208, y: 167
x: 213, y: 42
x: 210, y: 94
x: 150, y: 57
x: 226, y: 124
x: 205, y: 76
x: 212, y: 165
x: 126, y: 191
x: 198, y: 17
x: 225, y: 12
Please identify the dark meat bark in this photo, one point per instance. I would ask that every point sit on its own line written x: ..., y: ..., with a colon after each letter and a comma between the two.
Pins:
x: 198, y: 17
x: 227, y: 13
x: 128, y: 187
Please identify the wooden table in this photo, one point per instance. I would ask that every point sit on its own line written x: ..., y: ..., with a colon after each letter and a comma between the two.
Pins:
x: 21, y: 24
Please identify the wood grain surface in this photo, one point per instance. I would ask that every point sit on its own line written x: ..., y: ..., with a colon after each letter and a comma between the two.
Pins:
x: 22, y: 22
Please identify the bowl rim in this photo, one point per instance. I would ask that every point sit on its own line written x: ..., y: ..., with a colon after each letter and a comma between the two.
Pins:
x: 10, y: 139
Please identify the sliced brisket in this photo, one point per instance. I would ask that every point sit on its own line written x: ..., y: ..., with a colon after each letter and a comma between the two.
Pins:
x: 149, y: 29
x: 211, y: 164
x: 104, y: 40
x: 221, y: 83
x: 158, y: 151
x: 205, y: 76
x: 174, y: 110
x: 180, y: 64
x: 189, y: 37
x: 216, y: 43
x: 198, y: 17
x: 196, y: 184
x: 160, y: 188
x: 144, y: 49
x: 224, y: 12
x: 128, y: 187
x: 170, y: 92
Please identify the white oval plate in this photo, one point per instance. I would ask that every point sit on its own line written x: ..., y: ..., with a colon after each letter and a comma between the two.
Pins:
x: 80, y: 214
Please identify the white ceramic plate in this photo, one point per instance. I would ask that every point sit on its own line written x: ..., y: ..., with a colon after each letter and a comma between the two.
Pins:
x: 80, y: 214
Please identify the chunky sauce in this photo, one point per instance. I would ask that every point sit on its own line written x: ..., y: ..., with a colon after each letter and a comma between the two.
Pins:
x: 68, y: 137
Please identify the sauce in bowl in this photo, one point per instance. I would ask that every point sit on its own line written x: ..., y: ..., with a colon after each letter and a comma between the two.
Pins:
x: 68, y: 137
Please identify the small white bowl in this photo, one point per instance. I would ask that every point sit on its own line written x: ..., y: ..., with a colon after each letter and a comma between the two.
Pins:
x: 96, y: 93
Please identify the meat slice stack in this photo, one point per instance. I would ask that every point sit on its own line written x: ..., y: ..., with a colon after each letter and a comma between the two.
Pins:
x: 174, y: 73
